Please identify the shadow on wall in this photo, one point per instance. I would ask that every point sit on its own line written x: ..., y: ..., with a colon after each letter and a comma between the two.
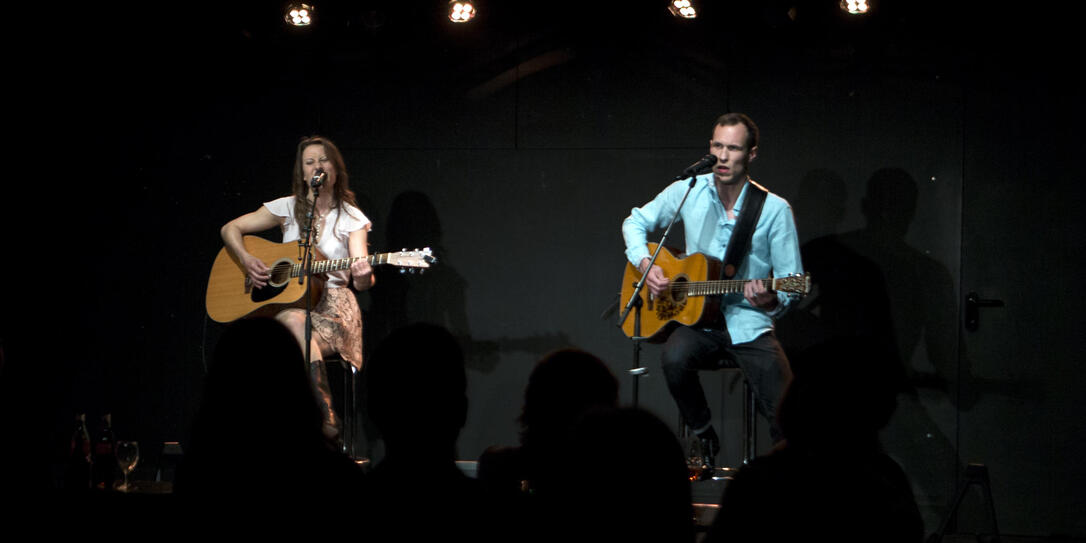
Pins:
x: 869, y: 283
x: 440, y: 294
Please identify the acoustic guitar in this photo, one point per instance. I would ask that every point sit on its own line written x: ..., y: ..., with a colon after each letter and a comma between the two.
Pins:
x: 691, y: 297
x: 231, y: 294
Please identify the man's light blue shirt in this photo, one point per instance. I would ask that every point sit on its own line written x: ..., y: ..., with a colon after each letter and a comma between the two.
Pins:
x: 774, y: 249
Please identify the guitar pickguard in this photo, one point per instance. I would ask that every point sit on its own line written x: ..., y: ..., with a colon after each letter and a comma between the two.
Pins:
x: 259, y: 295
x: 279, y: 276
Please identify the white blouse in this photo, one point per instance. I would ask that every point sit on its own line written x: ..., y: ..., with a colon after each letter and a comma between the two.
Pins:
x: 332, y: 246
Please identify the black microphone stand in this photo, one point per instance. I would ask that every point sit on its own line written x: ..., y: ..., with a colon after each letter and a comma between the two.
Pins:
x: 307, y: 242
x: 635, y: 303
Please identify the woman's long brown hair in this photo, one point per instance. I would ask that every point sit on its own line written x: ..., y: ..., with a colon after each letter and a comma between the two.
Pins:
x: 341, y: 191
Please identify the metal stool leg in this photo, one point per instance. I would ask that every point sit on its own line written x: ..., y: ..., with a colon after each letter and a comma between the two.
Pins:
x: 750, y: 423
x: 349, y: 407
x: 348, y: 401
x: 750, y: 414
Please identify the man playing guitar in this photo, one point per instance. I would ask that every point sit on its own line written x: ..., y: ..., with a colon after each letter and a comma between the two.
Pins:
x: 744, y: 335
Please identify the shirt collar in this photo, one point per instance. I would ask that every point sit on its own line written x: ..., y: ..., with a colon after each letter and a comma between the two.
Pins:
x: 742, y: 193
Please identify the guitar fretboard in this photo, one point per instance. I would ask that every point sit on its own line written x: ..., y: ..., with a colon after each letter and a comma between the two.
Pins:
x: 336, y: 264
x: 713, y: 288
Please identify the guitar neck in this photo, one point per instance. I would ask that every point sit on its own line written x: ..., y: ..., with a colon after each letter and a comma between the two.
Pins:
x: 336, y: 264
x: 713, y: 288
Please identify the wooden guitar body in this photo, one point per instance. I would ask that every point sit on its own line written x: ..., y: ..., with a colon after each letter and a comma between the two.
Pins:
x: 673, y: 307
x: 693, y: 296
x: 230, y: 296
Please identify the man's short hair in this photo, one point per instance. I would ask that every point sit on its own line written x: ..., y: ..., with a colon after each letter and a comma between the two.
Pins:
x: 732, y: 119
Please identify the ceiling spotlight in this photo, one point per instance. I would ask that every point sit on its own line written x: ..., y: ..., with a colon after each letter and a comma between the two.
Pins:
x: 683, y: 9
x: 855, y: 7
x: 299, y: 14
x: 461, y: 11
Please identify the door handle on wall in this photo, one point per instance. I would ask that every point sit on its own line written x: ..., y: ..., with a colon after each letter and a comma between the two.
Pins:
x: 973, y: 303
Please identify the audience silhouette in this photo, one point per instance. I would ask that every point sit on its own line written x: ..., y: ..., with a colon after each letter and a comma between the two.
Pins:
x: 829, y: 478
x: 622, y: 477
x: 417, y: 399
x: 584, y: 469
x: 562, y: 386
x: 257, y: 435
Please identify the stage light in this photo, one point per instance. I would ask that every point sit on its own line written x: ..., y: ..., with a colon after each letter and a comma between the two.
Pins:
x: 461, y: 11
x: 299, y: 14
x: 683, y: 9
x: 855, y: 7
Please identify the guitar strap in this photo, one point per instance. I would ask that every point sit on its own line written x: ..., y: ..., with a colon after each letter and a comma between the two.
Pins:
x: 744, y: 230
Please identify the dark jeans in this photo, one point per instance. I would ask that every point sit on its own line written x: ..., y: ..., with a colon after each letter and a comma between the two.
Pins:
x: 762, y: 361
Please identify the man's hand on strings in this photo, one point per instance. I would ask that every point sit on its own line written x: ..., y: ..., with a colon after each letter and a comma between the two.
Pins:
x: 759, y: 296
x: 656, y: 281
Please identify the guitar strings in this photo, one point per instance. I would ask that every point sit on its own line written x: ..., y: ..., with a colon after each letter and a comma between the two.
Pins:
x: 725, y: 283
x: 730, y: 286
x: 337, y: 264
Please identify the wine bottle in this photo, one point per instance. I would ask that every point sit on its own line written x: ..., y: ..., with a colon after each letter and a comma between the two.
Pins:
x: 78, y: 476
x: 104, y: 462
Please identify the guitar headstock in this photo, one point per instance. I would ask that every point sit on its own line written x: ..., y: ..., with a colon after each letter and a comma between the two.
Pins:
x: 794, y: 284
x: 413, y: 259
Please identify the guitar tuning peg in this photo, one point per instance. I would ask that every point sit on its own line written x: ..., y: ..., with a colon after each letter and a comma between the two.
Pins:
x: 402, y: 271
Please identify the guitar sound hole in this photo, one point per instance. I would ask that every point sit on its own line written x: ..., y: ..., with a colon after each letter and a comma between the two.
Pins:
x: 277, y: 282
x: 678, y: 292
x: 280, y: 273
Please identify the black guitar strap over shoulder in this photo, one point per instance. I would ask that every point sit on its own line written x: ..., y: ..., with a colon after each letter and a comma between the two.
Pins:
x: 744, y: 230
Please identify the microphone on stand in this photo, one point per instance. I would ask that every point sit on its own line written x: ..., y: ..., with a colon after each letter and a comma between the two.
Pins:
x: 702, y: 166
x: 318, y: 178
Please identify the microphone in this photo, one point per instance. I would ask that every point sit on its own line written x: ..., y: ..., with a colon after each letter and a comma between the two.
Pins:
x: 702, y: 166
x: 318, y: 178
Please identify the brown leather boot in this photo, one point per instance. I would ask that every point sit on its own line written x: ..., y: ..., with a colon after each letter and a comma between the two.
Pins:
x: 318, y: 373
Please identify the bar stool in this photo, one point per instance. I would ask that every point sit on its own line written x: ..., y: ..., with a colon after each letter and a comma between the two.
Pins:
x: 750, y: 422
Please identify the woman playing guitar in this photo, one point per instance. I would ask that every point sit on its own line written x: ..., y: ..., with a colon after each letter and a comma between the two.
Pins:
x: 339, y: 231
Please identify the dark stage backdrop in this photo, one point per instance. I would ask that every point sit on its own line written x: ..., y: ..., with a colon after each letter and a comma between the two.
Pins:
x: 910, y: 146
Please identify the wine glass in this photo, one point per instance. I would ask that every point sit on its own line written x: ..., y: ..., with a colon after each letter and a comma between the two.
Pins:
x: 128, y: 455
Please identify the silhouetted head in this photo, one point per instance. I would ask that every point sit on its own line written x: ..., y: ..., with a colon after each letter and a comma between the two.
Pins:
x: 417, y: 390
x: 563, y: 385
x: 257, y: 436
x: 624, y: 477
x: 257, y: 399
x: 258, y: 383
x: 842, y: 392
